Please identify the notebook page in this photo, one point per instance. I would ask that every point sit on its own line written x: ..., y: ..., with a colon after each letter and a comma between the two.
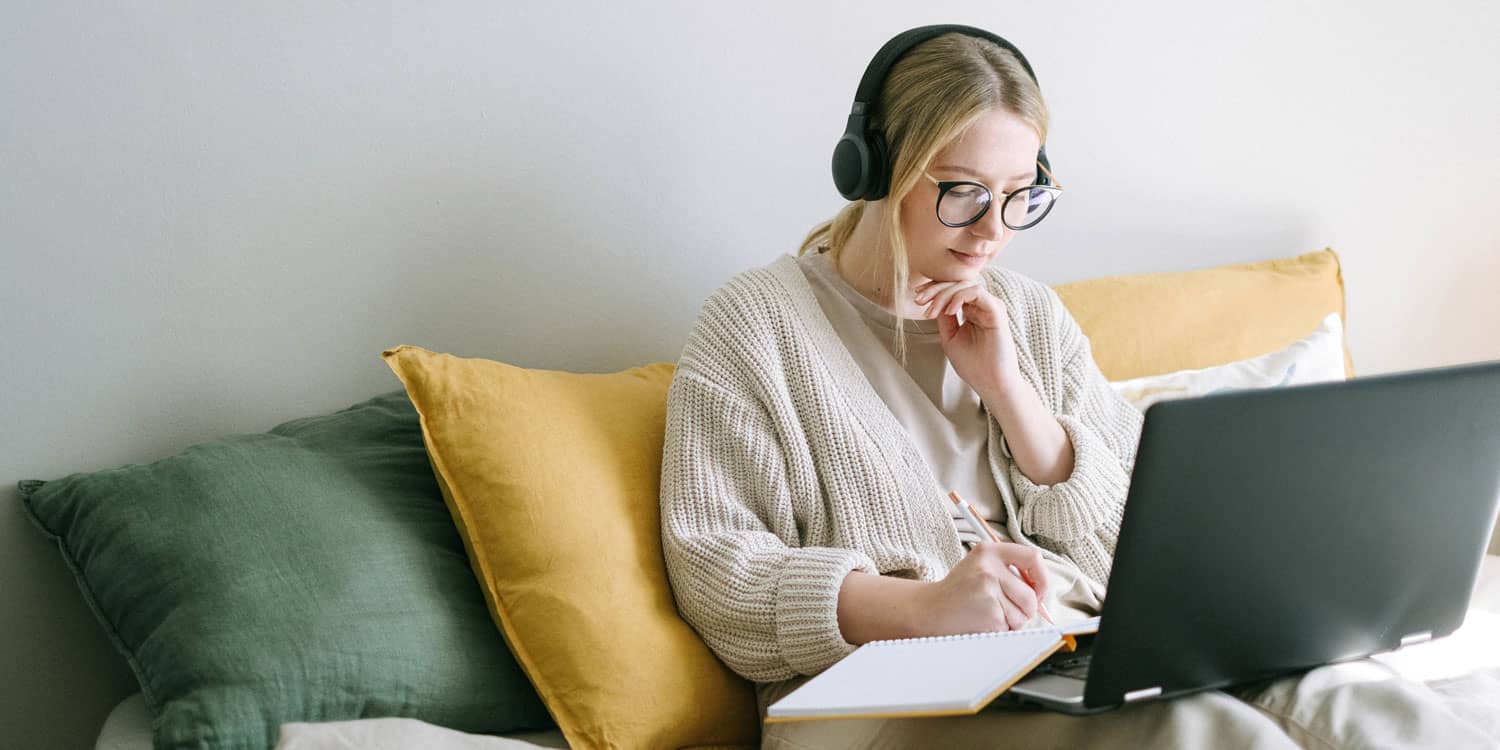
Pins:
x: 953, y: 674
x: 1082, y: 627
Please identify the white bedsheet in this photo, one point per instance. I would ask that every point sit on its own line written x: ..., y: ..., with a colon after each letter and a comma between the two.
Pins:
x: 128, y: 727
x: 1465, y: 667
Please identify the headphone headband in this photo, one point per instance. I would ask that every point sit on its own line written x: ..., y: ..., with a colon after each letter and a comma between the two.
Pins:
x: 861, y: 167
x: 880, y: 65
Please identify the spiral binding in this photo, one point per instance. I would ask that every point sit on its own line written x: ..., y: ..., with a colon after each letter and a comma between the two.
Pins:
x: 957, y: 636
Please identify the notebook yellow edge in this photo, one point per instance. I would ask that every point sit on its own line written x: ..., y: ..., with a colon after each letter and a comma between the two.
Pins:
x: 943, y: 712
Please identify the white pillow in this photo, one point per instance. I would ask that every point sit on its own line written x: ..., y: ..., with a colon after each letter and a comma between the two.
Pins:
x: 1317, y: 358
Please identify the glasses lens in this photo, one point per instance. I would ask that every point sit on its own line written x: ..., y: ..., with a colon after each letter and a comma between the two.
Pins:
x: 962, y: 204
x: 1025, y: 207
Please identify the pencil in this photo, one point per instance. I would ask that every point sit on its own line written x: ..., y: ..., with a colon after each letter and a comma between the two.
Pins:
x: 984, y: 531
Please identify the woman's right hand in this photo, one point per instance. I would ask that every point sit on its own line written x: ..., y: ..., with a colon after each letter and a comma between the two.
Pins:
x: 981, y: 593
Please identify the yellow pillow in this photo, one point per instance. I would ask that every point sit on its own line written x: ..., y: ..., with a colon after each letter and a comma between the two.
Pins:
x: 553, y: 480
x: 1154, y: 323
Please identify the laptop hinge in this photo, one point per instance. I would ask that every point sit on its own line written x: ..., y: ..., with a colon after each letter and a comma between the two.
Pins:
x: 1142, y: 694
x: 1408, y: 640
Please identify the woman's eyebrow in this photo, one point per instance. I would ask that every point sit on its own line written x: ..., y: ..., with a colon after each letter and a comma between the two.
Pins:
x: 972, y: 173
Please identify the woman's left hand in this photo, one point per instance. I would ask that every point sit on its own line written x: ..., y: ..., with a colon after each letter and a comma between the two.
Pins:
x: 982, y: 350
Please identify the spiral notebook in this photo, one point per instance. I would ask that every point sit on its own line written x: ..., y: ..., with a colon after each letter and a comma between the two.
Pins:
x: 930, y: 676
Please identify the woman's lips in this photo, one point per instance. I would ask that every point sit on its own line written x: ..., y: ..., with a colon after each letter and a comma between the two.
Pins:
x: 971, y: 260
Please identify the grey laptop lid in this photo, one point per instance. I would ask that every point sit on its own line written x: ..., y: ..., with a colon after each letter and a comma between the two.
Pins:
x: 1268, y: 531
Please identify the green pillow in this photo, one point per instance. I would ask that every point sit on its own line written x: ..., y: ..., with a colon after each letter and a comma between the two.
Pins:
x: 311, y: 573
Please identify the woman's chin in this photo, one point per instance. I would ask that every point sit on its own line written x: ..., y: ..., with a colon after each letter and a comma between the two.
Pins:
x: 951, y: 268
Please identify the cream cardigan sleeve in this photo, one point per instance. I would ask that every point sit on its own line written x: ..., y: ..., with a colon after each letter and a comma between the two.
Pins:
x: 764, y: 604
x: 1080, y: 516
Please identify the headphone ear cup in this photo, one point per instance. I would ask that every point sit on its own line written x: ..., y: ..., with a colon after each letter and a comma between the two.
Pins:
x: 851, y: 166
x: 880, y: 167
x: 1041, y: 177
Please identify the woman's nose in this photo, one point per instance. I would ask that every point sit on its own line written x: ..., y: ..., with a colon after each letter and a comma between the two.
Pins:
x: 989, y: 227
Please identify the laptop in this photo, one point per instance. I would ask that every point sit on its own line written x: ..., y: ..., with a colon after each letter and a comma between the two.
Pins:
x: 1270, y: 531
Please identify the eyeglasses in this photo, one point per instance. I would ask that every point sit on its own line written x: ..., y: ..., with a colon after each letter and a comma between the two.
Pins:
x: 961, y: 202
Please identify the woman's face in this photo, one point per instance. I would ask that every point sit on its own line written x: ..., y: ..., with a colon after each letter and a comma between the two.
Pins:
x: 998, y: 151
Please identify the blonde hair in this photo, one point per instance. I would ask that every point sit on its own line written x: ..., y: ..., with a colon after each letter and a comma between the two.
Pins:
x: 935, y: 91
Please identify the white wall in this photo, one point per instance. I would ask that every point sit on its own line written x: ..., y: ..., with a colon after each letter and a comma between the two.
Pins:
x: 214, y: 219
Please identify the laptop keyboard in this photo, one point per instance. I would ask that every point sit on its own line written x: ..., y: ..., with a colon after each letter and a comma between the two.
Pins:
x: 1073, y: 666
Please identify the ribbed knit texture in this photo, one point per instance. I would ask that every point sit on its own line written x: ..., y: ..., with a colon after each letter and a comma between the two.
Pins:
x: 783, y: 469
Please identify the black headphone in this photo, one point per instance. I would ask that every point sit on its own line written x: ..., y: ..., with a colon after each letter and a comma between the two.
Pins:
x: 861, y: 167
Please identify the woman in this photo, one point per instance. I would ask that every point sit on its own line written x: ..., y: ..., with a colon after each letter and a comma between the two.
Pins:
x: 825, y: 404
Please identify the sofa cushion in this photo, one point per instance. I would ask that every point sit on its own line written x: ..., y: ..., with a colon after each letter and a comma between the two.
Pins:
x: 1153, y: 323
x: 310, y: 573
x: 1315, y: 358
x: 553, y: 481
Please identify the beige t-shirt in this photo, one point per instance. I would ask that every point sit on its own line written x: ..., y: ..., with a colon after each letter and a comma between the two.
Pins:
x: 944, y: 415
x: 941, y: 411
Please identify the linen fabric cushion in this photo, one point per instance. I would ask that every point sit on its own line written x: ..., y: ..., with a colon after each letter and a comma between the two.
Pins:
x: 1315, y: 358
x: 310, y: 573
x: 1153, y: 323
x: 553, y: 479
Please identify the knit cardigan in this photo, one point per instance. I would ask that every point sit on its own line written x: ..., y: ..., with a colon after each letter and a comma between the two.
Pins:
x: 783, y: 470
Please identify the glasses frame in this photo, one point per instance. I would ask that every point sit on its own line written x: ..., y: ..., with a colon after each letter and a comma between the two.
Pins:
x: 945, y: 185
